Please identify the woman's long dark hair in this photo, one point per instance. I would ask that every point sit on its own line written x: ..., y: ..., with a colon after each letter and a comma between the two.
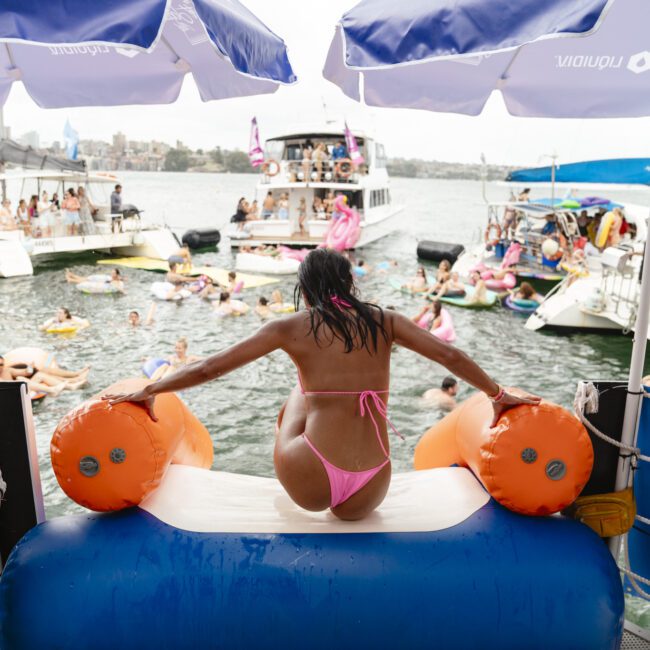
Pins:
x: 325, y: 283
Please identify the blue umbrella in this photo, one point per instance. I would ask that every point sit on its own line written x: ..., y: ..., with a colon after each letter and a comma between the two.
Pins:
x: 556, y: 58
x: 114, y: 52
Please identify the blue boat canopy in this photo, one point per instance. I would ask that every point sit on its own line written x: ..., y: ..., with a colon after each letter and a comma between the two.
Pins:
x: 619, y: 171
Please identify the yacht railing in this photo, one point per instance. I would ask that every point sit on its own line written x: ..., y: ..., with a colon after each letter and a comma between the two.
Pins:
x: 328, y: 171
x: 620, y: 291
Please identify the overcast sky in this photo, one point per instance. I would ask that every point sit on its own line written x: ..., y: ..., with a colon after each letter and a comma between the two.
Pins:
x: 307, y: 28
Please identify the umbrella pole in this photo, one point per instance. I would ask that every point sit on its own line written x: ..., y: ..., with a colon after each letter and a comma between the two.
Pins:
x: 634, y: 395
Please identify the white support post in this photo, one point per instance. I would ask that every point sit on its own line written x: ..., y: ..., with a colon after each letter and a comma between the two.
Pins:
x: 634, y: 396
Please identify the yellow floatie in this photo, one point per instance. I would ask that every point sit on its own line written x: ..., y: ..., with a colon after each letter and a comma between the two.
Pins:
x: 62, y: 329
x: 603, y: 230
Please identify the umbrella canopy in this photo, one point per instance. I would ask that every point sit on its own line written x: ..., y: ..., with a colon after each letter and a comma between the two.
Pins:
x: 627, y: 171
x: 557, y: 58
x: 115, y: 52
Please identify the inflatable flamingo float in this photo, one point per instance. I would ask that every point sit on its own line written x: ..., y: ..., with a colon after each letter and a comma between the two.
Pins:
x: 343, y: 233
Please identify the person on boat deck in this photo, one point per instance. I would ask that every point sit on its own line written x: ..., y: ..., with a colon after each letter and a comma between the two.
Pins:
x: 253, y: 211
x: 328, y: 204
x: 136, y: 321
x: 176, y: 361
x: 39, y: 380
x: 339, y: 151
x: 509, y: 222
x: 64, y: 317
x: 442, y: 275
x: 318, y: 208
x: 283, y: 206
x: 419, y: 283
x: 453, y: 287
x: 307, y: 152
x: 241, y: 215
x: 583, y: 223
x: 302, y: 214
x: 86, y: 211
x: 268, y: 205
x: 22, y: 216
x: 34, y: 220
x: 550, y: 227
x: 479, y: 296
x: 319, y: 156
x: 525, y: 291
x: 116, y: 279
x: 7, y: 221
x: 614, y: 236
x: 524, y: 196
x: 71, y: 207
x: 444, y: 397
x: 116, y: 200
x: 55, y: 203
x: 45, y: 211
x: 332, y: 445
x: 263, y: 310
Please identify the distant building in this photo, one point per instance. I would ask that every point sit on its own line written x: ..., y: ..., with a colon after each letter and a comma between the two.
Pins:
x: 30, y: 139
x: 119, y: 143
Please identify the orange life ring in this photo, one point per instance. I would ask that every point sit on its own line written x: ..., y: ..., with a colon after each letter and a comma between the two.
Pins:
x: 338, y: 168
x: 488, y: 237
x: 267, y: 164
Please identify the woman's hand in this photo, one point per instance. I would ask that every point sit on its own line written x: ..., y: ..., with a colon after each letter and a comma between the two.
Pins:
x: 512, y: 397
x: 141, y: 397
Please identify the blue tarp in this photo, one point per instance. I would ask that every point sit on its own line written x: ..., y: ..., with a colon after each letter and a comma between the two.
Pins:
x: 626, y: 171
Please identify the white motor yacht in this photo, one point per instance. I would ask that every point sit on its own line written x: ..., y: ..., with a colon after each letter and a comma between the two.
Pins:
x: 125, y: 233
x: 288, y: 175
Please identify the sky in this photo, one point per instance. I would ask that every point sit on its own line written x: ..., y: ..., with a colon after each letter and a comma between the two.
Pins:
x: 307, y: 28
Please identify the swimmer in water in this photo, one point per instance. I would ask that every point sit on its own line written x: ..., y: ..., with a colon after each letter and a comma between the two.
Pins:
x: 386, y: 266
x: 263, y: 310
x: 116, y: 279
x: 277, y: 304
x: 136, y: 321
x: 419, y: 283
x: 228, y: 307
x: 526, y: 292
x: 232, y: 283
x: 178, y: 360
x: 444, y: 397
x: 63, y: 318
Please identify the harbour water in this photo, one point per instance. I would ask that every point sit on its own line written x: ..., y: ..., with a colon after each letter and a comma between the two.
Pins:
x: 240, y: 409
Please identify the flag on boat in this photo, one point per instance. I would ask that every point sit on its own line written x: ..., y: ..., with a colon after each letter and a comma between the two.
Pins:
x: 255, y: 153
x: 71, y: 139
x: 353, y: 149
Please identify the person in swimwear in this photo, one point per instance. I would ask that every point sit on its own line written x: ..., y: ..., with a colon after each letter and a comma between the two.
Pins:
x: 176, y: 361
x: 331, y: 446
x: 228, y: 307
x: 419, y: 283
x: 116, y: 279
x: 442, y: 276
x: 263, y: 310
x: 480, y: 289
x: 277, y: 304
x: 525, y: 291
x: 64, y: 318
x: 40, y: 381
x: 136, y: 321
x: 443, y: 398
x: 452, y: 288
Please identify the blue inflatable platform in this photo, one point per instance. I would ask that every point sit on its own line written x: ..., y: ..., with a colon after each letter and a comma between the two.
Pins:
x: 216, y: 560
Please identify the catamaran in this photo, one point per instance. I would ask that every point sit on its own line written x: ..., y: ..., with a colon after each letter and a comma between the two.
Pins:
x: 124, y: 233
x: 303, y: 171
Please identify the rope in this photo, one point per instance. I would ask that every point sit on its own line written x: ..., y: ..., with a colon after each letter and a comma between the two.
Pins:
x: 586, y: 401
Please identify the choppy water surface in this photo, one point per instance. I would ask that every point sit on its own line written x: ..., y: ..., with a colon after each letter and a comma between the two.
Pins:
x: 239, y: 410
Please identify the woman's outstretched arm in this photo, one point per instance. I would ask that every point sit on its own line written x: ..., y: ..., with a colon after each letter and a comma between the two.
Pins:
x: 409, y: 335
x: 268, y: 338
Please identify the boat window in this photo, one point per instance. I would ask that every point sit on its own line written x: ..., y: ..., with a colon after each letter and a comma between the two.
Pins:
x: 274, y: 150
x: 294, y: 152
x: 380, y: 156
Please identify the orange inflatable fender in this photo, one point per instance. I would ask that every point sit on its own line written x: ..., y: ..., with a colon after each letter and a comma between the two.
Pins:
x: 111, y: 457
x: 535, y: 461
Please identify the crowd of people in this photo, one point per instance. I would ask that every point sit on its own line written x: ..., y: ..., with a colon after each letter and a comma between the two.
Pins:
x: 47, y: 217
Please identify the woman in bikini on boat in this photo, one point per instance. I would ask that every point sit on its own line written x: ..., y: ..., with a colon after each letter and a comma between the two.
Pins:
x: 332, y: 448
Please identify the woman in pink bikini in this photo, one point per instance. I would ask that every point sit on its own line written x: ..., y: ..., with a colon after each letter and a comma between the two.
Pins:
x: 332, y: 447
